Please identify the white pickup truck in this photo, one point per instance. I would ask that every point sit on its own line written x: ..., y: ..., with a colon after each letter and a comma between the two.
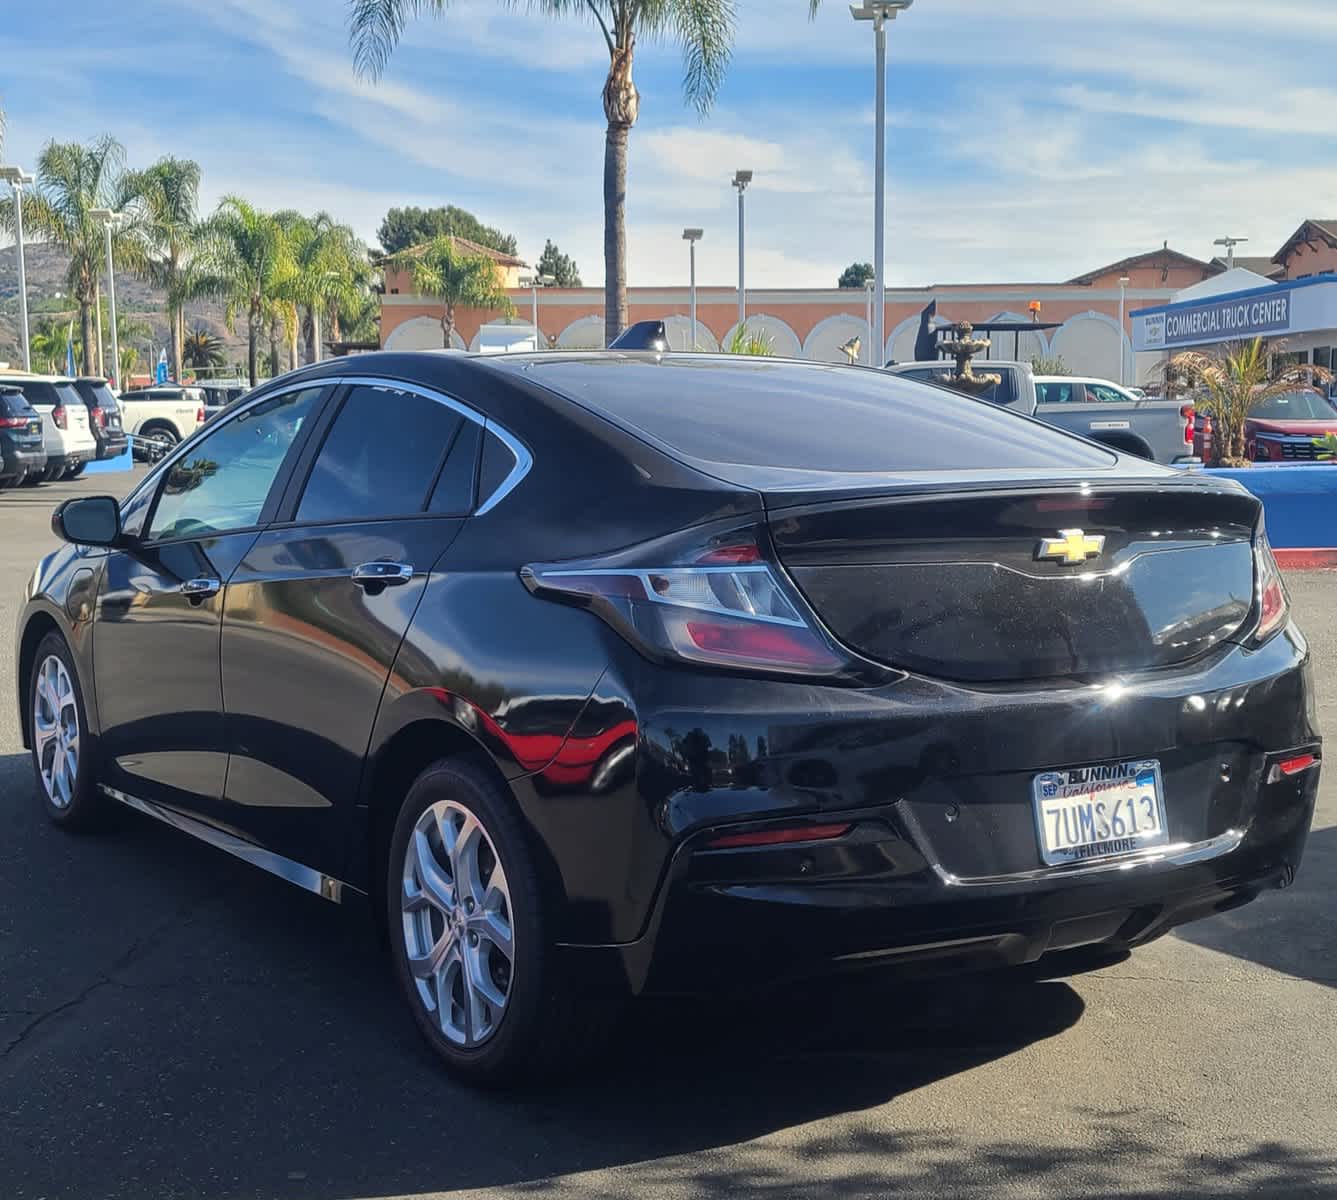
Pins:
x: 157, y: 418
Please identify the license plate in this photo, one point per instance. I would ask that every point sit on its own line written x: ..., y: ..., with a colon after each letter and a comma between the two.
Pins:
x: 1099, y: 812
x: 34, y: 426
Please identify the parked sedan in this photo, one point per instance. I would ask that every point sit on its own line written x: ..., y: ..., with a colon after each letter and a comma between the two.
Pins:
x: 104, y: 415
x: 637, y: 672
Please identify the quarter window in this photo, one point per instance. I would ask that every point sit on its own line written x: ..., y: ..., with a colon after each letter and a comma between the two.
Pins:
x: 381, y: 457
x: 222, y: 482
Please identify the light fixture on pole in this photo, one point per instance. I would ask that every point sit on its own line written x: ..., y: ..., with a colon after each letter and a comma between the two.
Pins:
x: 1123, y: 296
x: 879, y: 12
x: 18, y: 178
x: 691, y: 237
x: 1229, y: 243
x: 740, y: 180
x: 111, y: 220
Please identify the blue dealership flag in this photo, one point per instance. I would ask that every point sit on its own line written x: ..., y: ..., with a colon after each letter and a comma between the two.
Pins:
x: 161, y: 373
x: 69, y: 354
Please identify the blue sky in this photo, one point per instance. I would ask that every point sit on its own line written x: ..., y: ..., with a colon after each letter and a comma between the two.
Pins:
x: 1027, y: 140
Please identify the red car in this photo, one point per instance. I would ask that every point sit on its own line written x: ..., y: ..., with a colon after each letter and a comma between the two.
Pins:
x: 1280, y: 429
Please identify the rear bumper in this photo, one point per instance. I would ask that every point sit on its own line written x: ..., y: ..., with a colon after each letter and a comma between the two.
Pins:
x: 112, y: 445
x: 941, y: 861
x: 70, y: 458
x: 905, y: 911
x: 15, y: 461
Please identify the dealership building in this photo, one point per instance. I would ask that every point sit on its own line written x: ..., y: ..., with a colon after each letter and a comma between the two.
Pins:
x: 1118, y: 321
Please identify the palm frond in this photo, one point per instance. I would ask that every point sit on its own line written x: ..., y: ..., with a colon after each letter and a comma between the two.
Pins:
x: 375, y: 27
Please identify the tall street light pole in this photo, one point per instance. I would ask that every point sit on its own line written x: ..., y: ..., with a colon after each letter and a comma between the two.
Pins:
x: 537, y: 281
x: 740, y: 180
x: 110, y: 220
x: 879, y: 12
x: 1229, y: 243
x: 1123, y: 295
x: 691, y: 237
x: 16, y: 177
x: 868, y: 313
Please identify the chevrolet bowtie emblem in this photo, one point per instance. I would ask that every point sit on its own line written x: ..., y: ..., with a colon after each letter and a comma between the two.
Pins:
x: 1071, y: 546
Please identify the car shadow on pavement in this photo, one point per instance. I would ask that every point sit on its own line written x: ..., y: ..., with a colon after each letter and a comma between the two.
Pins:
x: 175, y: 1023
x: 1294, y: 930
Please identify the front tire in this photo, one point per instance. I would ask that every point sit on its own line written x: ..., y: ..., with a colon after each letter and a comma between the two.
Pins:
x: 61, y: 753
x: 470, y: 933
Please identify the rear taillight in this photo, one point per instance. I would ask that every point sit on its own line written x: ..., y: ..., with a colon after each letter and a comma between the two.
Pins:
x: 1273, y: 603
x: 60, y: 417
x: 13, y: 422
x: 100, y: 417
x: 715, y: 604
x: 1187, y: 412
x: 199, y: 415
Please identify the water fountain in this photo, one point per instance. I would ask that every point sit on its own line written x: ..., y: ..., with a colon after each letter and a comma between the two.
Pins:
x: 963, y: 347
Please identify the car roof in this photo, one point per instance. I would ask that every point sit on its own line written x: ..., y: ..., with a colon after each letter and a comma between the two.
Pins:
x: 8, y: 374
x: 1080, y: 379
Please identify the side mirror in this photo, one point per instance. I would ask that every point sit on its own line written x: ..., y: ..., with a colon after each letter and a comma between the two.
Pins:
x: 88, y: 521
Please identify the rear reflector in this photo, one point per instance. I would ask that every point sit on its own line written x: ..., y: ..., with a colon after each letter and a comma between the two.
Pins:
x: 779, y: 837
x: 1291, y: 766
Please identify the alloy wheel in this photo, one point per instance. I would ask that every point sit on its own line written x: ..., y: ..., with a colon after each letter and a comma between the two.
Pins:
x: 56, y: 731
x: 458, y: 931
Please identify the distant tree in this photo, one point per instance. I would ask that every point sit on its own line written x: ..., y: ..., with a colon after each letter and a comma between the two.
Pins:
x: 170, y: 189
x: 560, y: 266
x: 201, y: 349
x: 856, y: 275
x: 405, y: 227
x: 441, y: 270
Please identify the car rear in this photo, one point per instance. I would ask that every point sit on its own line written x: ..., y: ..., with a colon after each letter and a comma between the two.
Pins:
x: 22, y: 452
x: 67, y: 434
x: 1041, y: 696
x: 104, y: 414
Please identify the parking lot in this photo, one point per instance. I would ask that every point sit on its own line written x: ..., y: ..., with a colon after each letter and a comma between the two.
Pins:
x: 175, y: 1023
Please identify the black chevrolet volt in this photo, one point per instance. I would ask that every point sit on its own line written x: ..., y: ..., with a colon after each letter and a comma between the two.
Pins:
x: 603, y: 674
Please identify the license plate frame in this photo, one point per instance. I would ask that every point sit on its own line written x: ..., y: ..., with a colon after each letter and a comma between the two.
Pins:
x: 1132, y: 820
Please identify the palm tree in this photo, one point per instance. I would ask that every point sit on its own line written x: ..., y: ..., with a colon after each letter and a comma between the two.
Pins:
x: 50, y: 339
x: 72, y: 180
x: 248, y: 262
x: 1232, y: 382
x: 439, y: 269
x: 170, y: 190
x: 201, y: 350
x: 704, y: 29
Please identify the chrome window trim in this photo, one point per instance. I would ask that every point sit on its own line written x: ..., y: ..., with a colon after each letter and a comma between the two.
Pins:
x: 524, y: 460
x: 308, y: 878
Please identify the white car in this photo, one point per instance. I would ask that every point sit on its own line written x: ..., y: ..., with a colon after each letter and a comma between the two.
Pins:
x: 159, y: 417
x: 67, y: 435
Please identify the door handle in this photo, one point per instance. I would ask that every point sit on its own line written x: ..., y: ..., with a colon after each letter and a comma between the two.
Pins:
x: 199, y: 589
x: 373, y: 576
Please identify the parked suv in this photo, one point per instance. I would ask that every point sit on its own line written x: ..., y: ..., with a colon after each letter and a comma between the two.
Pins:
x: 21, y: 449
x: 105, y: 416
x: 66, y: 431
x: 160, y: 417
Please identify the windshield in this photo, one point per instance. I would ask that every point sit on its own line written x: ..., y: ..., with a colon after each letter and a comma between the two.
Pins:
x: 1295, y: 406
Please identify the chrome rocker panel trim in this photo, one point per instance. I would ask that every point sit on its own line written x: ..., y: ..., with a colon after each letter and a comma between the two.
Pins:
x: 311, y: 880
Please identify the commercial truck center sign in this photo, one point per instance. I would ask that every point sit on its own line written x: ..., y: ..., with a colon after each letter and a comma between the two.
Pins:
x: 1242, y: 317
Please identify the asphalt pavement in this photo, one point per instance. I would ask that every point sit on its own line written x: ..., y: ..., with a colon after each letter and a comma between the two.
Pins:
x: 174, y: 1023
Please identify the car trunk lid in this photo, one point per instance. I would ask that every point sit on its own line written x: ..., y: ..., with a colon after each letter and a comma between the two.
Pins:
x: 1007, y: 584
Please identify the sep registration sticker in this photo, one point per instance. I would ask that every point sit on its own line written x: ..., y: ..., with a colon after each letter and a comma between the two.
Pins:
x: 1099, y: 812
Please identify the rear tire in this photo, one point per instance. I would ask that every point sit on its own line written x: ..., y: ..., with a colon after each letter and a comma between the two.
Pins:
x: 53, y: 472
x: 61, y: 747
x: 75, y: 472
x: 471, y: 935
x: 33, y: 478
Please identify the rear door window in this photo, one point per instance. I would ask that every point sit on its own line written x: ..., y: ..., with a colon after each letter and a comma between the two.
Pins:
x: 381, y: 456
x: 1058, y: 393
x: 1104, y: 394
